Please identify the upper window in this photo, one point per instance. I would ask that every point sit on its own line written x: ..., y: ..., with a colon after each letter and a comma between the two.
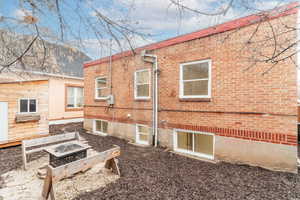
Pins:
x: 142, y: 84
x: 101, y: 84
x: 74, y: 97
x: 195, y: 79
x: 28, y: 105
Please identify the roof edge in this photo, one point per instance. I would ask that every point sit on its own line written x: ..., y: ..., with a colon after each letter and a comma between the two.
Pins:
x: 281, y: 11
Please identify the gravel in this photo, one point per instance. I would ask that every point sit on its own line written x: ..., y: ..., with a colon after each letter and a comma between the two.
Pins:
x: 153, y: 173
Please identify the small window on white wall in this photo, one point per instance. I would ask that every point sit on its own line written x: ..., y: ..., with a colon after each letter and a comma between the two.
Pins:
x: 100, y: 126
x: 195, y: 143
x: 142, y: 134
x: 28, y: 105
x: 100, y: 86
x: 195, y: 79
x: 142, y: 84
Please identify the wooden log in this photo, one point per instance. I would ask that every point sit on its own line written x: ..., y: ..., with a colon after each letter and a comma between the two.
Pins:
x: 113, y: 165
x: 49, y: 139
x: 27, y: 118
x: 70, y: 169
x: 24, y: 156
x: 48, y: 186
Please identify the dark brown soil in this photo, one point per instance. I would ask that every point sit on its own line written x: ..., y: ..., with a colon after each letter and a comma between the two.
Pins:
x: 149, y: 173
x: 152, y: 173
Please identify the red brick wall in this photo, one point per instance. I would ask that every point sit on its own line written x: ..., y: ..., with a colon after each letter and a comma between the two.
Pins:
x: 242, y: 100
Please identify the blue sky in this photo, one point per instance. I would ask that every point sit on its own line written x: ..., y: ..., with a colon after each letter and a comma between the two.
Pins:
x: 157, y: 19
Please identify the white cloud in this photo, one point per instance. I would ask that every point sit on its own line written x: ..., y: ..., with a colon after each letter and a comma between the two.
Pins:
x: 162, y: 19
x: 101, y: 48
x: 266, y: 5
x: 158, y: 17
x: 21, y: 13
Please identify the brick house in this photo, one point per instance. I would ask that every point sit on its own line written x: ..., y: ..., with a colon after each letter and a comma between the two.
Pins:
x: 200, y: 101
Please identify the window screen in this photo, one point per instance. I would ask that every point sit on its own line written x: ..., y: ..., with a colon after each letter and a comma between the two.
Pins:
x: 195, y: 79
x: 74, y: 97
x: 28, y: 105
x: 142, y: 84
x: 200, y: 143
x: 101, y: 126
x: 101, y: 84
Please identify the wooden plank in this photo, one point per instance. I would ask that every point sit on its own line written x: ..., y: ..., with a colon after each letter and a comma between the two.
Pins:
x: 69, y: 169
x: 35, y: 150
x: 24, y: 156
x: 11, y: 143
x: 113, y: 165
x: 27, y: 118
x: 49, y: 139
x: 47, y: 184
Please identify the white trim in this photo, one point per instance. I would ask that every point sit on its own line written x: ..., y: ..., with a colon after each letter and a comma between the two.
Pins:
x: 28, y: 99
x: 65, y: 121
x: 94, y: 127
x: 181, y: 92
x: 191, y: 152
x: 298, y: 53
x: 48, y: 74
x: 137, y: 135
x: 3, y: 121
x: 135, y: 84
x: 96, y: 88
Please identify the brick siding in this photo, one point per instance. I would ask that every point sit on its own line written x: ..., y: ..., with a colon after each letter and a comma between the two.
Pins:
x: 245, y: 104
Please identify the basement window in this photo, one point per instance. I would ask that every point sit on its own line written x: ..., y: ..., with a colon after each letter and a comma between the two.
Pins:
x: 142, y: 134
x: 27, y: 105
x: 194, y: 143
x: 100, y: 126
x: 100, y: 86
x: 195, y: 79
x: 74, y: 97
x: 142, y: 84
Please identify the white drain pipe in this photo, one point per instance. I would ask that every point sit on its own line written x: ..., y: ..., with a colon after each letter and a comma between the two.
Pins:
x: 155, y: 93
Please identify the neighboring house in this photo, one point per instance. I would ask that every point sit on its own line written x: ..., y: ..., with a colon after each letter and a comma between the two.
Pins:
x: 205, y: 104
x: 33, y: 102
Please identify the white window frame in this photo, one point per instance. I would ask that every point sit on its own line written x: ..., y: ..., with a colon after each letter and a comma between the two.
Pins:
x: 94, y: 127
x: 135, y: 84
x: 28, y: 105
x: 181, y: 85
x: 137, y: 135
x: 175, y: 145
x: 96, y: 88
x: 75, y: 96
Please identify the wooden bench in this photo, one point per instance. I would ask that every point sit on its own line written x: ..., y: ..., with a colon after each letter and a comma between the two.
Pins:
x: 41, y: 143
x: 56, y: 174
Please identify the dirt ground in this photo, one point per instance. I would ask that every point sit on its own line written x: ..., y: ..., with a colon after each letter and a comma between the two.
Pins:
x: 19, y: 184
x: 153, y: 173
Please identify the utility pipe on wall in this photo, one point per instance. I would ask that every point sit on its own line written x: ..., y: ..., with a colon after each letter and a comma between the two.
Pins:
x: 155, y: 92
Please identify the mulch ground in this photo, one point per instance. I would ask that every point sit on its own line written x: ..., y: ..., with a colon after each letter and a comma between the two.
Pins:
x: 153, y: 173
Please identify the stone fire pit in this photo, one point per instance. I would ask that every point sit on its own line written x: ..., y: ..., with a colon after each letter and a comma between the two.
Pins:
x: 62, y: 154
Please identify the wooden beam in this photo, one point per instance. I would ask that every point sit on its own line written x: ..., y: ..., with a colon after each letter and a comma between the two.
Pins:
x: 11, y: 143
x: 69, y: 169
x: 49, y: 140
